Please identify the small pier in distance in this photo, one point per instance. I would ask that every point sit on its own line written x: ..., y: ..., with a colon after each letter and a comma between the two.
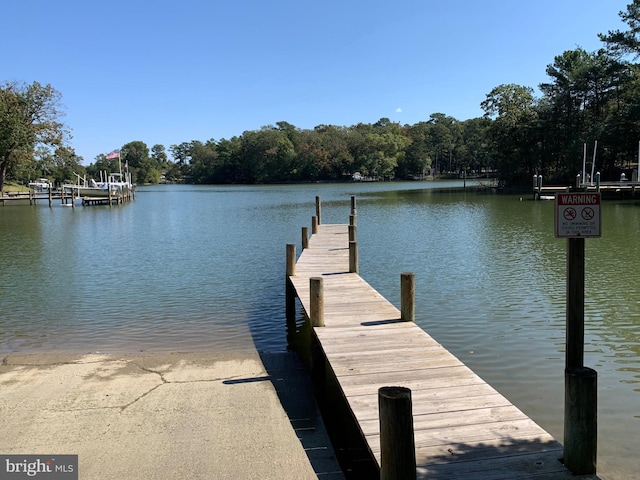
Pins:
x: 66, y: 196
x: 462, y: 427
x: 623, y: 188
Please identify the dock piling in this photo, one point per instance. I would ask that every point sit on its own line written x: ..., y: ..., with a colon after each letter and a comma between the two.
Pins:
x: 353, y: 257
x: 305, y: 238
x: 316, y: 292
x: 291, y: 259
x: 314, y: 224
x: 580, y: 421
x: 318, y: 210
x: 290, y: 292
x: 407, y: 297
x: 397, y: 444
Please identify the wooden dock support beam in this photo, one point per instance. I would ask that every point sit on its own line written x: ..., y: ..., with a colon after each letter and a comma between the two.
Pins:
x: 352, y: 233
x: 316, y: 293
x: 353, y: 257
x: 314, y: 225
x: 290, y: 291
x: 580, y: 382
x: 305, y: 238
x: 574, y: 353
x: 580, y: 420
x: 318, y: 210
x: 407, y: 297
x: 397, y: 444
x: 291, y: 259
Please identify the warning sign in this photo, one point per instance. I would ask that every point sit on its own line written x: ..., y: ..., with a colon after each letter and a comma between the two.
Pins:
x: 578, y: 215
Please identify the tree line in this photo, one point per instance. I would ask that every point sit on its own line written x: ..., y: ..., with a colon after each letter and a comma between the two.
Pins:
x: 589, y: 97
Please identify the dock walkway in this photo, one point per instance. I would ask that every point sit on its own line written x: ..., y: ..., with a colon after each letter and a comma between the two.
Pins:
x: 463, y: 427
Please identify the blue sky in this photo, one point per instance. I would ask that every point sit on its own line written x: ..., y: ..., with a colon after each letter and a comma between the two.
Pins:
x: 174, y: 71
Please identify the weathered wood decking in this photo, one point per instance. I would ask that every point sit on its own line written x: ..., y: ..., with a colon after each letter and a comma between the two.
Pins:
x: 463, y: 427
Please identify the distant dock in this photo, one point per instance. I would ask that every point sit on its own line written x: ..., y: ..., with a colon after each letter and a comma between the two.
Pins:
x: 621, y: 189
x: 64, y: 196
x: 462, y: 427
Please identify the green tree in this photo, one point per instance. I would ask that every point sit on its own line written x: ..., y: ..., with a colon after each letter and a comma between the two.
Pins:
x: 159, y: 155
x: 418, y: 155
x: 621, y: 43
x: 29, y: 117
x: 444, y: 135
x: 134, y: 156
x: 513, y: 110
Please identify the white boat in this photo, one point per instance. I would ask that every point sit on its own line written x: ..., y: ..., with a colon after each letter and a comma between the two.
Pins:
x: 40, y: 184
x: 114, y: 186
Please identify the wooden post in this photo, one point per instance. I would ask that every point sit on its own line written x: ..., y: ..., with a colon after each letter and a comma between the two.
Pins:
x: 397, y: 445
x: 580, y: 420
x: 353, y: 257
x: 407, y: 297
x: 352, y: 220
x: 574, y: 355
x: 50, y: 196
x: 318, y: 210
x: 580, y: 401
x: 305, y: 238
x: 291, y: 259
x: 290, y: 294
x: 314, y: 225
x: 353, y: 204
x: 316, y: 294
x: 352, y: 233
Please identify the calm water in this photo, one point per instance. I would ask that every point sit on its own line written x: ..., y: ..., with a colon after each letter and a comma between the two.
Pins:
x: 186, y: 268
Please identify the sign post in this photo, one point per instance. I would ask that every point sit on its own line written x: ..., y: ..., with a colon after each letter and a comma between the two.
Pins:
x: 577, y: 216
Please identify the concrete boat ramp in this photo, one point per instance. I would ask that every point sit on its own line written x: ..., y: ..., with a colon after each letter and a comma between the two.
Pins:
x: 177, y: 416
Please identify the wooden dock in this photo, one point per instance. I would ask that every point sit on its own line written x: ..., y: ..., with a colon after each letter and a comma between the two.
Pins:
x: 65, y: 196
x: 463, y: 428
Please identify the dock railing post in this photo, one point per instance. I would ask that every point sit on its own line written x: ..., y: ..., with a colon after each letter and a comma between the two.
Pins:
x: 291, y: 259
x: 397, y: 444
x: 316, y: 293
x: 316, y: 318
x: 305, y: 238
x: 407, y: 297
x: 290, y: 294
x: 580, y: 420
x: 318, y: 210
x: 580, y: 387
x: 353, y: 257
x: 314, y: 225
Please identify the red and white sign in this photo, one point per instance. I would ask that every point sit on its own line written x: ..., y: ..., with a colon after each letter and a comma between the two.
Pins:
x: 577, y: 215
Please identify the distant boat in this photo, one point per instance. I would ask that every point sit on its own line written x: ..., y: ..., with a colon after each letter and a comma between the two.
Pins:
x: 40, y: 184
x: 116, y: 185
